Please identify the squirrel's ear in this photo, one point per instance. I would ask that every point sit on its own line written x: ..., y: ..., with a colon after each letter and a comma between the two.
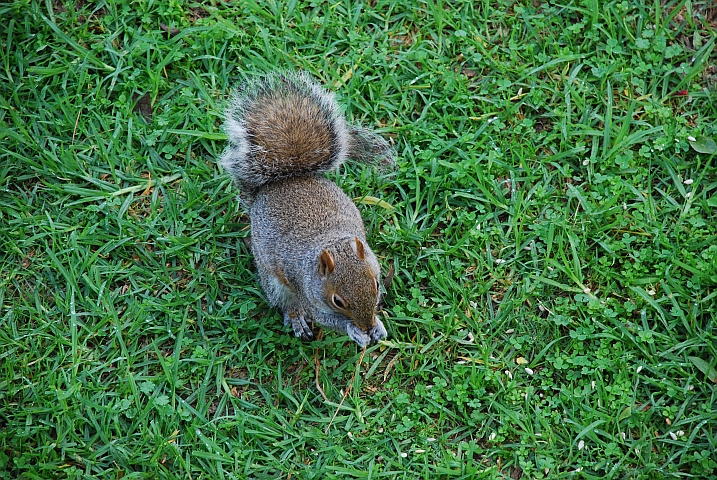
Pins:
x: 358, y: 248
x: 326, y: 263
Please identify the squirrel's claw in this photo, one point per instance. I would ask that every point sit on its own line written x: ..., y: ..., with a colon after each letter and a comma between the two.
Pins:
x: 297, y: 320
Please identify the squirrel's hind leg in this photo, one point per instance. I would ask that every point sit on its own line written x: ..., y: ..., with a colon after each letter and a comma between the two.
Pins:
x: 296, y: 317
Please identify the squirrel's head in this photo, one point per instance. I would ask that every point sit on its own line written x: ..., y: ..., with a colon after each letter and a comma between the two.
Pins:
x: 350, y: 275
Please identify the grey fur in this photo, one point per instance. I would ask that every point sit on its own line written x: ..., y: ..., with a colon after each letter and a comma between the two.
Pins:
x: 308, y: 238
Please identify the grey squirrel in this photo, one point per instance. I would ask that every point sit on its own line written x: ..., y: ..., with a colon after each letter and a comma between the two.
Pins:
x: 307, y: 236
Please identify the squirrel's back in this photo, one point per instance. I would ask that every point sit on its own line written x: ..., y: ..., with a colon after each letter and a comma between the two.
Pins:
x: 287, y: 213
x: 285, y: 125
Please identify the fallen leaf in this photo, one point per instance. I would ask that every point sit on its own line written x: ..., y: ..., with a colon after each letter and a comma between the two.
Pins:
x: 704, y: 367
x: 702, y: 144
x: 143, y: 105
x: 368, y: 200
x: 171, y: 32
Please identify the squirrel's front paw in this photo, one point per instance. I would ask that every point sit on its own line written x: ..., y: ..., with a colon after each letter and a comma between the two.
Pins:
x: 366, y: 338
x: 378, y: 332
x: 297, y: 320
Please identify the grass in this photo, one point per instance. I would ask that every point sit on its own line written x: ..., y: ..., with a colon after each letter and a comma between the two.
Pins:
x: 553, y: 238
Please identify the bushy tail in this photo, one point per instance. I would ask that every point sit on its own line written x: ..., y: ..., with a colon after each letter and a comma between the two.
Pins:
x: 285, y: 125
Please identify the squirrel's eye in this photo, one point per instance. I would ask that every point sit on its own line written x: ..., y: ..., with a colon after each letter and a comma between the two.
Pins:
x: 338, y: 302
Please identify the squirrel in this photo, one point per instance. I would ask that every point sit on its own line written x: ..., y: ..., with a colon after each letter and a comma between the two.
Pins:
x: 307, y: 237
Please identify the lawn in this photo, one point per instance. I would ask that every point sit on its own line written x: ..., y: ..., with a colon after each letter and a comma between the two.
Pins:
x: 548, y: 238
